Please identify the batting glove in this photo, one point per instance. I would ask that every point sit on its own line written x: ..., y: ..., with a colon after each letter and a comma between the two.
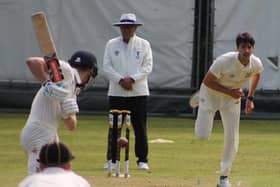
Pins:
x: 69, y: 106
x: 55, y: 92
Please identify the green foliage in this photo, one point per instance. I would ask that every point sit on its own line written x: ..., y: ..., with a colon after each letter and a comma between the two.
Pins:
x: 187, y: 162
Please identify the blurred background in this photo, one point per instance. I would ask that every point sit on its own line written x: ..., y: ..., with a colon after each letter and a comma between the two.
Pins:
x: 185, y: 35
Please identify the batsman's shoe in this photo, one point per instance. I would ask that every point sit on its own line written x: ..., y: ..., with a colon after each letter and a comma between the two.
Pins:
x: 106, y: 165
x: 143, y: 166
x: 224, y: 183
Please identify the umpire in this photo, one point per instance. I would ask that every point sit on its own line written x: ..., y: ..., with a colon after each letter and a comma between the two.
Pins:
x: 127, y: 64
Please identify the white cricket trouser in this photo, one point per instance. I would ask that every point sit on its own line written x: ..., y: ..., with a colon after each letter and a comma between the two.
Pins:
x: 33, y: 137
x: 230, y: 115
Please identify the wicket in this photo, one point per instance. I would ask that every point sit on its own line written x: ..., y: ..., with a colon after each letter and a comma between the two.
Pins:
x: 117, y: 119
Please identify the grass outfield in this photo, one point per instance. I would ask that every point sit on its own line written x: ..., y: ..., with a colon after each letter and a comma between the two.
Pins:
x: 186, y: 163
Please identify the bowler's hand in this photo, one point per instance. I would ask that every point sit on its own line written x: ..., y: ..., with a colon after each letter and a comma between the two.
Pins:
x: 249, y: 106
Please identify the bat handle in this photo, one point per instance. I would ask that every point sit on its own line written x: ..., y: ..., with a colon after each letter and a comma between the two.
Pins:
x: 54, y: 69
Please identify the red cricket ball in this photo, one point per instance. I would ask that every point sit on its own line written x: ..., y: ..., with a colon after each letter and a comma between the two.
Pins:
x: 122, y: 142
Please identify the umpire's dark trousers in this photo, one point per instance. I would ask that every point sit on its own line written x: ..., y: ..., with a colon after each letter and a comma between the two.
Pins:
x: 138, y: 108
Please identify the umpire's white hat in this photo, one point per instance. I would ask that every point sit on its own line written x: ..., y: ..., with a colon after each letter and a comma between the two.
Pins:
x: 128, y: 19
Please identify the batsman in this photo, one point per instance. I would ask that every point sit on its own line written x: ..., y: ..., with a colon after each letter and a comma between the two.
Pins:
x: 221, y: 90
x: 54, y: 102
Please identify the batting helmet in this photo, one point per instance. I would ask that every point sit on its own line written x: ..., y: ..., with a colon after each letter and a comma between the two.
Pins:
x: 84, y: 60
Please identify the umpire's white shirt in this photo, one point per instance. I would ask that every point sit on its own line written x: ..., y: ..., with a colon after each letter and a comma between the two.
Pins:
x: 231, y: 74
x: 45, y: 115
x: 54, y: 177
x: 132, y: 59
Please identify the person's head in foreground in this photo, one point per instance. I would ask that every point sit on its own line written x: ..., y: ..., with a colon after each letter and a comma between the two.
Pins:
x: 55, y: 154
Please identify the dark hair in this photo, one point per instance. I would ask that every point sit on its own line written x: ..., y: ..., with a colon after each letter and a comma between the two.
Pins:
x: 245, y: 37
x: 55, y: 153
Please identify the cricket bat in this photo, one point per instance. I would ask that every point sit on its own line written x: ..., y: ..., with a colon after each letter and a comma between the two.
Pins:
x: 47, y: 46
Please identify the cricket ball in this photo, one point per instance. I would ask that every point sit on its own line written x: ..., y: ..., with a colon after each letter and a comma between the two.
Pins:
x: 122, y: 142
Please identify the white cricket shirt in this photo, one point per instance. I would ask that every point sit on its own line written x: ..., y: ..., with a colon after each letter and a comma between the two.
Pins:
x: 231, y: 73
x: 132, y: 59
x: 47, y: 111
x: 54, y: 177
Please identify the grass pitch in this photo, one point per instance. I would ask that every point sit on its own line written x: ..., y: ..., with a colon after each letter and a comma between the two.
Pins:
x: 187, y: 162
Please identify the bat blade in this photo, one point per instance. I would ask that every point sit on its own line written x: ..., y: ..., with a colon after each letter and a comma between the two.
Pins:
x: 46, y: 45
x: 43, y: 34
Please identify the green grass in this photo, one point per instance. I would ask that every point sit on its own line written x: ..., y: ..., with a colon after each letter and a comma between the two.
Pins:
x: 186, y: 163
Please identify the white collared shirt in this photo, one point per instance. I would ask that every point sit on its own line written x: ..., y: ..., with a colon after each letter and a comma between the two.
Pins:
x: 231, y: 73
x: 132, y: 59
x: 54, y: 177
x: 46, y: 111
